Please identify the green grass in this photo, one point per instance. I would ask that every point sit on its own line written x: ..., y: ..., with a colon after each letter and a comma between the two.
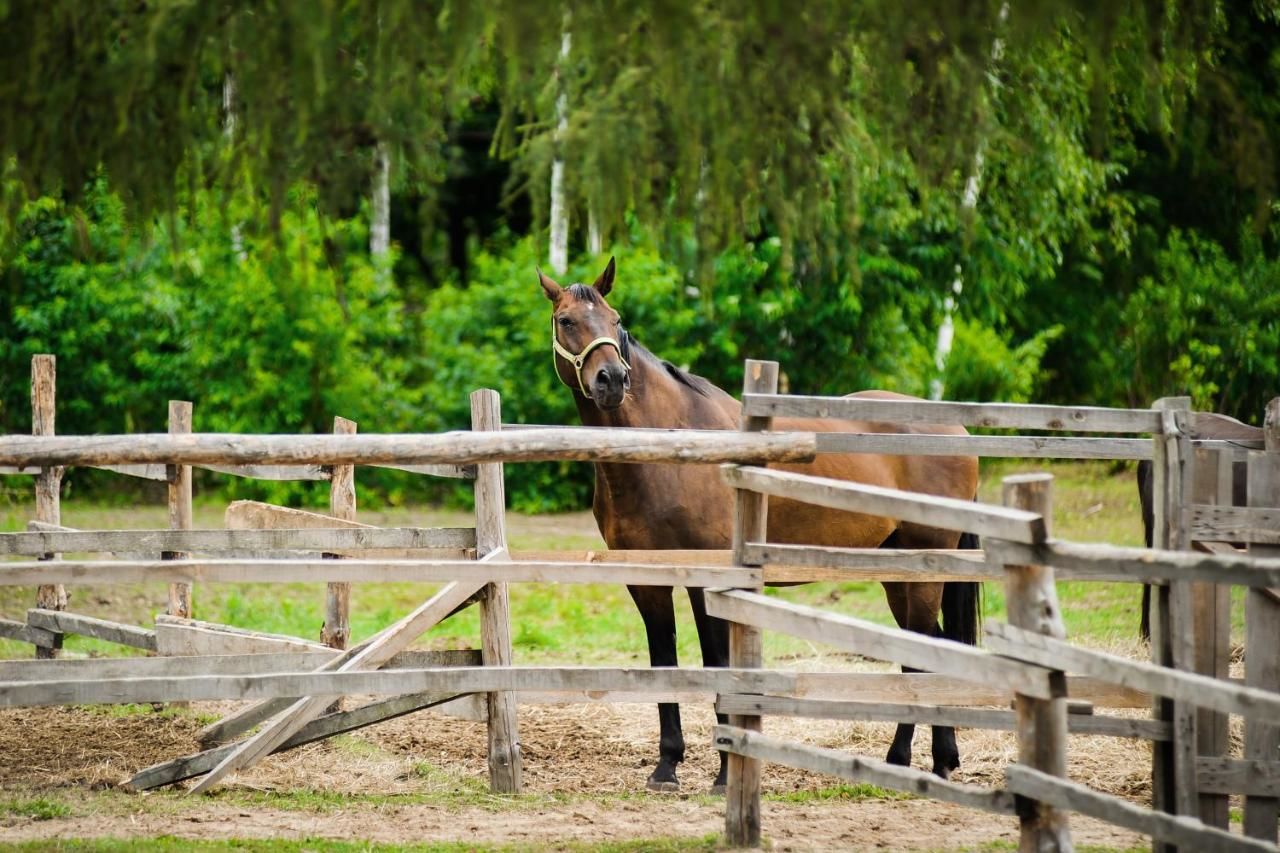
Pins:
x: 36, y: 808
x: 855, y: 793
x: 167, y: 844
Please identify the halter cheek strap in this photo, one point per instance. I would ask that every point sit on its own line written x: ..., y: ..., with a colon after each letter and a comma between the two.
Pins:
x: 578, y: 360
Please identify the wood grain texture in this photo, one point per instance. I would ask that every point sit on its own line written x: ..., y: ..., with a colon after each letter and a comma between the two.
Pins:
x: 179, y: 477
x: 1139, y: 565
x: 1262, y: 632
x: 336, y: 630
x: 44, y: 393
x: 355, y: 542
x: 986, y: 446
x: 1259, y: 779
x: 61, y: 622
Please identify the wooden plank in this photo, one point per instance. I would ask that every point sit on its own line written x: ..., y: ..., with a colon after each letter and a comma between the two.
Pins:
x: 996, y: 415
x: 932, y: 715
x: 457, y: 448
x: 185, y: 637
x: 370, y: 571
x: 1187, y: 832
x: 1032, y: 604
x: 988, y: 446
x: 884, y: 643
x: 798, y: 562
x: 218, y: 664
x: 284, y: 473
x: 1234, y: 523
x: 1256, y: 778
x: 1262, y: 632
x: 369, y: 655
x: 57, y: 621
x: 854, y: 768
x: 880, y: 686
x: 179, y: 478
x: 1114, y: 563
x: 325, y: 726
x: 44, y: 383
x: 348, y: 542
x: 1213, y: 425
x: 142, y: 472
x: 24, y: 633
x: 1205, y: 691
x: 505, y: 764
x: 746, y: 642
x: 336, y: 630
x: 949, y: 513
x: 453, y: 472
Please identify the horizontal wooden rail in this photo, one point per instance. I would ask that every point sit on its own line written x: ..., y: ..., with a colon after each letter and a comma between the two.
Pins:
x: 932, y: 715
x: 1213, y: 523
x: 23, y: 633
x: 856, y: 769
x: 1238, y: 776
x: 61, y: 622
x: 142, y: 472
x: 883, y: 643
x: 988, y: 446
x: 1187, y: 832
x: 996, y: 415
x: 453, y: 472
x: 270, y: 472
x: 950, y: 513
x: 1201, y: 690
x: 202, y: 571
x: 813, y: 563
x: 332, y: 540
x: 89, y: 669
x: 1137, y: 565
x: 456, y: 448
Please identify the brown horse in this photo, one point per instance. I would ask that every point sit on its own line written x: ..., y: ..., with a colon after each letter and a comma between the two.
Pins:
x: 618, y: 383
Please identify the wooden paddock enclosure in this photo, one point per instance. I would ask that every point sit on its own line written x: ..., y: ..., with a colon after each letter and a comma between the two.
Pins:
x: 1028, y: 661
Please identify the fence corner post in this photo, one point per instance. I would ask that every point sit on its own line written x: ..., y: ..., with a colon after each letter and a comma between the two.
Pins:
x: 495, y: 606
x: 1032, y: 603
x: 746, y: 647
x: 44, y: 394
x: 179, y: 476
x: 336, y: 631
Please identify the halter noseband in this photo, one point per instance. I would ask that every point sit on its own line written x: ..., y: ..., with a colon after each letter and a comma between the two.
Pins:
x: 578, y: 360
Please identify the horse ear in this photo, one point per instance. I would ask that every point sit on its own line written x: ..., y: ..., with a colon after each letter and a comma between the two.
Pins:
x: 605, y: 282
x: 549, y: 286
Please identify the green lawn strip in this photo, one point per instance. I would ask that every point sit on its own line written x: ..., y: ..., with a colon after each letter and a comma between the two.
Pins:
x: 36, y: 808
x: 166, y: 844
x: 852, y: 792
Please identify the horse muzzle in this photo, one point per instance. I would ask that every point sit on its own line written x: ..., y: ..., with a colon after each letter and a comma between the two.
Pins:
x: 609, y: 386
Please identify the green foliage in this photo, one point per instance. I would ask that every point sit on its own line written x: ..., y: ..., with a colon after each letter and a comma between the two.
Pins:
x: 37, y: 808
x: 1207, y: 325
x: 984, y: 365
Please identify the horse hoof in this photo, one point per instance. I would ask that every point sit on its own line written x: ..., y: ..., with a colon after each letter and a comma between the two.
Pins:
x: 942, y: 772
x: 718, y: 789
x: 662, y: 787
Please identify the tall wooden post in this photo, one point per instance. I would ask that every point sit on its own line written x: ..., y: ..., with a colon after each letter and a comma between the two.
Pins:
x: 336, y: 633
x: 495, y: 606
x: 180, y: 421
x: 44, y: 393
x: 1032, y: 602
x: 750, y: 523
x: 1262, y: 630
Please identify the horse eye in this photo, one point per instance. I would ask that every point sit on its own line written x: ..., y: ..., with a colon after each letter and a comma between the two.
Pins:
x: 566, y: 321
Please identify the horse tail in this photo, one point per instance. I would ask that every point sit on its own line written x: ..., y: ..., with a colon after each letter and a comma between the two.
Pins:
x: 962, y: 604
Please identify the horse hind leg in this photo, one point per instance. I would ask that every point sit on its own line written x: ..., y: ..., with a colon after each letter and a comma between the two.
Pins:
x: 713, y: 637
x: 658, y: 613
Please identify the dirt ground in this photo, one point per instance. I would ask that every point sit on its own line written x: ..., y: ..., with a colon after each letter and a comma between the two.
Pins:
x: 422, y: 778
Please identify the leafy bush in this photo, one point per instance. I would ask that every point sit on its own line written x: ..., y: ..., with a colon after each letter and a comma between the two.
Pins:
x: 985, y: 366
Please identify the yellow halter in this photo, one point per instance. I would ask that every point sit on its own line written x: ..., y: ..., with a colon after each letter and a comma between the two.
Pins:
x: 578, y: 360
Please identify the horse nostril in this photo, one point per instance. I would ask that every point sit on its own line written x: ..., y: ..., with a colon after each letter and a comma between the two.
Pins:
x: 602, y: 379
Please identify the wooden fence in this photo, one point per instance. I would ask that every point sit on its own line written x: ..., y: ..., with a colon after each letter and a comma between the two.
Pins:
x: 1024, y: 663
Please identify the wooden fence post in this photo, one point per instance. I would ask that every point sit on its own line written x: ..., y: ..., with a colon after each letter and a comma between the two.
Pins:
x: 44, y: 393
x: 336, y: 631
x: 1262, y: 630
x: 746, y: 646
x: 1032, y: 603
x: 1211, y: 483
x: 495, y: 607
x: 180, y: 421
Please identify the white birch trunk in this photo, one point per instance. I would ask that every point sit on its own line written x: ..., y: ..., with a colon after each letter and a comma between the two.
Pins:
x: 559, y: 210
x: 229, y: 135
x: 595, y: 241
x: 380, y: 227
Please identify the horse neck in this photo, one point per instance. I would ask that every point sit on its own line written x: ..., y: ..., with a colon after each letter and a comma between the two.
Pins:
x: 657, y: 400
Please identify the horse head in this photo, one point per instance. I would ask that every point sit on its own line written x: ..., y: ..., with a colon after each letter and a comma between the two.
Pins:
x: 589, y: 345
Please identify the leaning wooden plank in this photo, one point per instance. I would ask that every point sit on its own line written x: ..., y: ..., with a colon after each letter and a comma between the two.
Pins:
x: 329, y: 540
x: 1000, y: 415
x: 455, y: 472
x: 203, y: 571
x: 14, y: 471
x: 1012, y: 524
x: 456, y: 448
x: 1200, y: 690
x: 989, y: 446
x: 175, y: 636
x: 232, y: 664
x: 841, y: 562
x: 883, y: 643
x: 88, y: 626
x: 1145, y: 565
x: 326, y: 726
x: 1212, y: 522
x: 270, y: 472
x: 933, y: 715
x: 142, y: 472
x: 1176, y: 829
x: 369, y: 655
x: 856, y: 769
x: 1238, y: 776
x: 25, y: 633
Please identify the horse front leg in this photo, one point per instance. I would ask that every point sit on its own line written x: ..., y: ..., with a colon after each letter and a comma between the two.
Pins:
x: 713, y: 636
x: 658, y: 612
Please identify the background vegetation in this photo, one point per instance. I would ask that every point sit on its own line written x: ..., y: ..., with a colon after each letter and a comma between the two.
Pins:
x: 186, y: 196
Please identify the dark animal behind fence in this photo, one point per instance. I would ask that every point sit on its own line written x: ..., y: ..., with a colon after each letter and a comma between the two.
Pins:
x: 616, y: 382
